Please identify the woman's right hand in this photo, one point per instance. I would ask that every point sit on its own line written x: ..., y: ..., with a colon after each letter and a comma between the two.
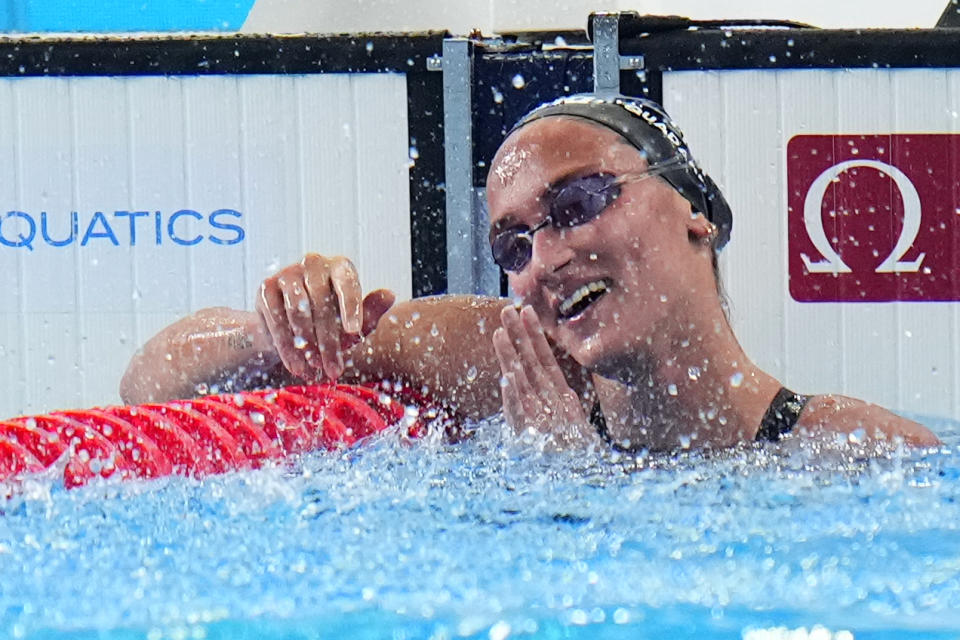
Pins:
x: 535, y: 390
x: 315, y: 310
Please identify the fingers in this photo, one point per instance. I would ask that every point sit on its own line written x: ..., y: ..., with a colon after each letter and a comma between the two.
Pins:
x: 314, y: 310
x: 325, y: 330
x: 375, y: 305
x: 513, y: 410
x: 512, y: 364
x: 535, y: 391
x: 346, y: 286
x: 520, y: 401
x: 522, y: 337
x: 271, y: 306
x: 544, y: 353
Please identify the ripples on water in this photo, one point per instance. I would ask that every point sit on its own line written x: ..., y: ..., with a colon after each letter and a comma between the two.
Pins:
x: 493, y: 540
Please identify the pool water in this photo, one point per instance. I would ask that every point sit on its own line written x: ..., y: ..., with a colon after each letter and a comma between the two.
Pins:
x: 494, y: 539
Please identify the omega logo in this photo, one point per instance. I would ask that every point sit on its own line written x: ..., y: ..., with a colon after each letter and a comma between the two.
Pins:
x: 813, y: 222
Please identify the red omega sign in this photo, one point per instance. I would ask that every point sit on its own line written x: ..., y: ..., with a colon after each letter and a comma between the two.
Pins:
x: 873, y: 218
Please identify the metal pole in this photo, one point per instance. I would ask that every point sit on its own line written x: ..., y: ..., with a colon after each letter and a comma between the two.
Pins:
x: 470, y: 268
x: 606, y: 54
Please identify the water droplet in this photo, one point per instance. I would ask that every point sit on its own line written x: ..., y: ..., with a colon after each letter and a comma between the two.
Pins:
x: 369, y: 47
x: 434, y: 331
x: 299, y: 342
x: 663, y: 297
x: 497, y: 95
x: 499, y: 631
x: 672, y: 389
x: 736, y: 379
x: 471, y: 374
x: 518, y: 82
x: 693, y: 373
x: 414, y: 153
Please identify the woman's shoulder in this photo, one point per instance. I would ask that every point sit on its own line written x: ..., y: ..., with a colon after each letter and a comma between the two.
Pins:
x: 831, y: 414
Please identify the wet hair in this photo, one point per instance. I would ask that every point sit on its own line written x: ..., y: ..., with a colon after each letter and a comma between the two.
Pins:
x: 645, y: 125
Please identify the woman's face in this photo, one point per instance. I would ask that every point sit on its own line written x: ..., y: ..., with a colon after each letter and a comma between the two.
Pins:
x: 603, y: 289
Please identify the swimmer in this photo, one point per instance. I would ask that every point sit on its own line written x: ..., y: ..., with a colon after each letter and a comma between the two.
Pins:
x: 608, y: 231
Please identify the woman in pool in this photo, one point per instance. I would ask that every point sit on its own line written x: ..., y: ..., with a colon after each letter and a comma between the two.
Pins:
x: 608, y: 232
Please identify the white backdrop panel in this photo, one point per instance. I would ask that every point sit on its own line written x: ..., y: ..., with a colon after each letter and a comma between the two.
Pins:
x: 900, y: 354
x: 186, y: 192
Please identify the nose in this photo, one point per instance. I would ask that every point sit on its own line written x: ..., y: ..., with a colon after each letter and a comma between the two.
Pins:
x: 550, y: 252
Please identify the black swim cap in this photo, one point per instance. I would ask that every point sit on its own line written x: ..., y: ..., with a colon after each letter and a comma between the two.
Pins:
x: 647, y: 126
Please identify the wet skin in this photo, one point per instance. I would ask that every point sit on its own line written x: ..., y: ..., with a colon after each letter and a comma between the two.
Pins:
x: 639, y: 247
x: 659, y: 318
x: 671, y: 371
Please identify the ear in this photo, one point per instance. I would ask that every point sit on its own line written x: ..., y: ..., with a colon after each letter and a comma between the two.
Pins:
x: 700, y: 230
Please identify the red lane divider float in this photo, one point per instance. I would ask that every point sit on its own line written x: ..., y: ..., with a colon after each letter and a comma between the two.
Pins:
x: 213, y: 434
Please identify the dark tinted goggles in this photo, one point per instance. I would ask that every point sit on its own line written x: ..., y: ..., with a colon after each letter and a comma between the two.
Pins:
x: 576, y: 202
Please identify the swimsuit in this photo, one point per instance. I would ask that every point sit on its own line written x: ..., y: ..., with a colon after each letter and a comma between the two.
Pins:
x: 780, y: 418
x: 781, y: 415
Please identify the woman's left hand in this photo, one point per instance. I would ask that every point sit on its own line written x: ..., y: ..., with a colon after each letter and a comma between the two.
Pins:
x: 536, y: 394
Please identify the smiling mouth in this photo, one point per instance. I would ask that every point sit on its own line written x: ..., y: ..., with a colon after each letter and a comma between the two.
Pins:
x: 578, y: 301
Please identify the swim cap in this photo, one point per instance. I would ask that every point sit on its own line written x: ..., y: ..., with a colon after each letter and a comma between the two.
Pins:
x: 647, y: 126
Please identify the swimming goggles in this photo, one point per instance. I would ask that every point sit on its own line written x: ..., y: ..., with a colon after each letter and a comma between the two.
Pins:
x: 572, y: 204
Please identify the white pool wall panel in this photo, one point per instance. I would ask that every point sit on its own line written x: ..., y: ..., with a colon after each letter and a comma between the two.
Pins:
x: 903, y: 355
x: 499, y: 16
x: 312, y: 162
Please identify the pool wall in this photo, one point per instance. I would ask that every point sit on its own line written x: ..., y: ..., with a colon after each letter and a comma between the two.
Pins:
x: 152, y: 176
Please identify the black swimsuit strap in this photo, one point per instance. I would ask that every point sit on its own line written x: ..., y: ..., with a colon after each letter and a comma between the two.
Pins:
x: 599, y: 422
x: 780, y: 418
x: 781, y: 415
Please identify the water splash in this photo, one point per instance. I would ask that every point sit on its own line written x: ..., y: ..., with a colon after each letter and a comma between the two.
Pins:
x: 492, y: 535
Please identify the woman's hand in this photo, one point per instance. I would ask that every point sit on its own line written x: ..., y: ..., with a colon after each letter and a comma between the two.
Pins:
x: 536, y: 394
x: 315, y: 310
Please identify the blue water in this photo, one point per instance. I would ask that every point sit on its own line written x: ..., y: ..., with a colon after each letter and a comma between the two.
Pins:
x: 491, y: 539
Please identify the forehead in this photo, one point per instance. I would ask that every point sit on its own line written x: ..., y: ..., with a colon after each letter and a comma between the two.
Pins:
x: 549, y: 150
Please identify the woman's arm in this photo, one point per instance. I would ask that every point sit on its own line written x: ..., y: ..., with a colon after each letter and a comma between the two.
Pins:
x: 306, y: 332
x: 827, y: 415
x: 443, y: 344
x: 212, y: 349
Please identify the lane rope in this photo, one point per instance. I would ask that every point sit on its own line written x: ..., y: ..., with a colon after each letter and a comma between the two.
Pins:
x: 208, y: 435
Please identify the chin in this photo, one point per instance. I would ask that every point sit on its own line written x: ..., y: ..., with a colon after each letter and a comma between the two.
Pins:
x: 591, y: 353
x: 607, y: 358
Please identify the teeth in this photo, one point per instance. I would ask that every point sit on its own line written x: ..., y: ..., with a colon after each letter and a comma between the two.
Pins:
x: 577, y: 296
